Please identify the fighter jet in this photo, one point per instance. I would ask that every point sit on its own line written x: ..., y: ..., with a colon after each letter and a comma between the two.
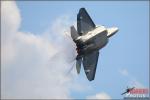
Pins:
x: 89, y: 39
x: 128, y: 90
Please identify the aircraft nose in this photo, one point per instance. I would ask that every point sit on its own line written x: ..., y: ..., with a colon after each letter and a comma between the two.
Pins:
x: 116, y: 29
x: 112, y: 31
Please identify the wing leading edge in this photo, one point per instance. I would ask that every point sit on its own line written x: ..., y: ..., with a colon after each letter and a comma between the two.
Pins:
x: 90, y: 64
x: 84, y: 22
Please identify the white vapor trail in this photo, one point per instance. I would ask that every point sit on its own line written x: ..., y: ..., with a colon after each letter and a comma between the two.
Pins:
x: 35, y: 66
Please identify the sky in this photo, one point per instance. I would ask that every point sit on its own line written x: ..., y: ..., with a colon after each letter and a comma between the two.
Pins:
x: 37, y: 51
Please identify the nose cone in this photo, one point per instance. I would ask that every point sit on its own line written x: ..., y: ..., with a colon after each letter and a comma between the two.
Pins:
x: 112, y: 31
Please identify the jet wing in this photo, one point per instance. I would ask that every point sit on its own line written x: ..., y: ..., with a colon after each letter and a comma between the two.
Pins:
x: 90, y: 64
x: 84, y: 22
x: 124, y: 93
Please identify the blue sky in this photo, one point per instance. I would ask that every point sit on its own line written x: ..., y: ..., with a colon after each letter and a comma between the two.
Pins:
x: 125, y: 59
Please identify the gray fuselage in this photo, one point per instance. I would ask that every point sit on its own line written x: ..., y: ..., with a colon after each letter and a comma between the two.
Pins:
x: 93, y: 40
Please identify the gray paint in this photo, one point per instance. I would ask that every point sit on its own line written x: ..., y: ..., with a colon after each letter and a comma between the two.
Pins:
x: 89, y: 40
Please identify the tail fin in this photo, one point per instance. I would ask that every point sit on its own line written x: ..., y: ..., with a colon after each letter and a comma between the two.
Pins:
x: 74, y: 33
x: 78, y: 64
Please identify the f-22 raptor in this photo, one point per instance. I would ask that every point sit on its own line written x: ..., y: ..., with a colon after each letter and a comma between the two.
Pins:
x: 89, y: 39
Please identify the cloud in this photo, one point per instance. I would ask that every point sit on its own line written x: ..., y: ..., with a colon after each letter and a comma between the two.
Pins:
x: 101, y: 95
x: 132, y: 80
x: 124, y: 72
x: 35, y: 66
x: 135, y: 83
x: 10, y: 22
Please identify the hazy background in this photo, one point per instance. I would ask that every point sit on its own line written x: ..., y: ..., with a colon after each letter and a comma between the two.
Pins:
x: 37, y: 52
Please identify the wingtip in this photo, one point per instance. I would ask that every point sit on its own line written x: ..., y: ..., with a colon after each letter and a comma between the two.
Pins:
x: 90, y: 80
x: 82, y: 9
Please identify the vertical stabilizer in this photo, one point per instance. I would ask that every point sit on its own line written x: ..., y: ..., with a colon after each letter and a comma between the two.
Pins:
x: 74, y: 33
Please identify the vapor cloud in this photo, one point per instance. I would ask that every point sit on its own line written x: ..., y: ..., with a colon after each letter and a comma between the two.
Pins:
x: 35, y: 66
